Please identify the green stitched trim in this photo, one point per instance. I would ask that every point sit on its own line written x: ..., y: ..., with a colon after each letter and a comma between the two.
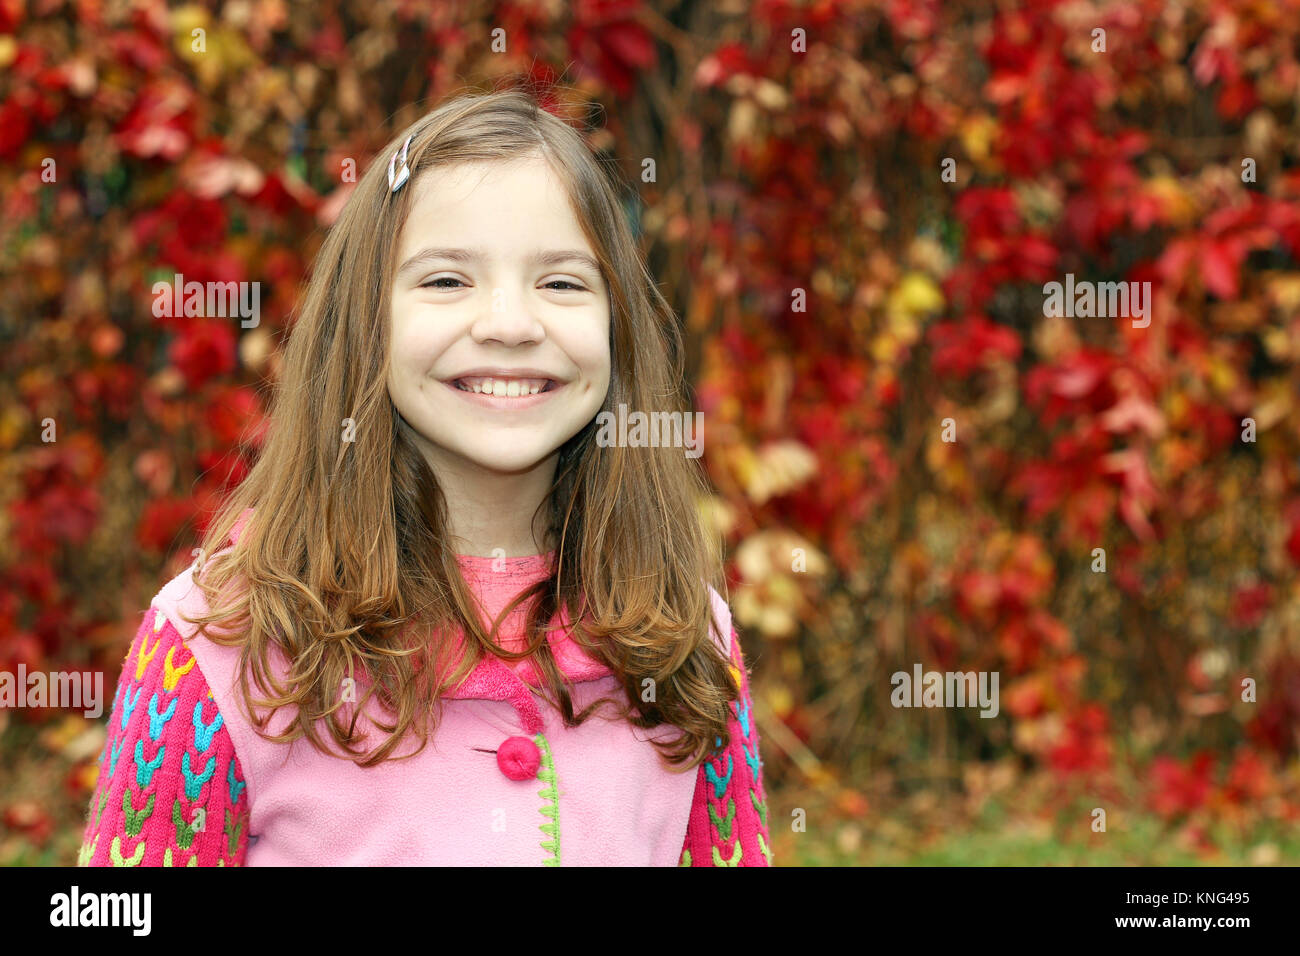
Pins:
x: 135, y: 818
x: 184, y: 831
x: 759, y: 805
x: 115, y: 853
x: 232, y: 829
x: 88, y: 852
x: 723, y: 824
x: 552, y: 807
x: 167, y: 859
x: 762, y: 845
x: 720, y: 860
x: 686, y: 858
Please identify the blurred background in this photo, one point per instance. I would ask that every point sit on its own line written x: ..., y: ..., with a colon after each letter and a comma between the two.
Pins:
x: 854, y: 209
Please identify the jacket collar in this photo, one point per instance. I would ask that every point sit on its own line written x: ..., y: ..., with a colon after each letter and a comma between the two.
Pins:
x: 493, y: 678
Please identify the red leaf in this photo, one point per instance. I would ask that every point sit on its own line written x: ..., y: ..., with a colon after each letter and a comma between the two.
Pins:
x: 203, y: 351
x: 162, y: 521
x: 1219, y: 263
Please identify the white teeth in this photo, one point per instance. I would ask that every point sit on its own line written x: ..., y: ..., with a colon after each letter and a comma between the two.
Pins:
x: 504, y: 388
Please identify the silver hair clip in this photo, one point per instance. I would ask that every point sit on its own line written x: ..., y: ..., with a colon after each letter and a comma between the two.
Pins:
x: 397, y: 177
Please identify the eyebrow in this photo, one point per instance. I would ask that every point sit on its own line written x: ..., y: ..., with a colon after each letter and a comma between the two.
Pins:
x: 552, y: 257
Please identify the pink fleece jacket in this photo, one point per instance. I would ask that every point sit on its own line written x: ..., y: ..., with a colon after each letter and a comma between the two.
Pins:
x: 185, y: 780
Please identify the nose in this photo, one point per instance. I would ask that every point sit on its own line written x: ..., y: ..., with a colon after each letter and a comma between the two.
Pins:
x: 508, y: 320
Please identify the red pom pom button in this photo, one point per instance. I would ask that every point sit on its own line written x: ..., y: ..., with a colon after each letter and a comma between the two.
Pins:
x: 519, y: 758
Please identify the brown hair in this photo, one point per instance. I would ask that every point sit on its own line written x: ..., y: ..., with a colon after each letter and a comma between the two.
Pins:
x: 348, y: 549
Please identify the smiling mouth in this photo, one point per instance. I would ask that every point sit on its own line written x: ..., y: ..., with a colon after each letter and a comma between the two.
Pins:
x: 504, y: 387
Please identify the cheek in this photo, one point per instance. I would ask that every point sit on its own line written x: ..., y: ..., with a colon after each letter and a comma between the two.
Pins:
x: 415, y: 348
x: 588, y: 347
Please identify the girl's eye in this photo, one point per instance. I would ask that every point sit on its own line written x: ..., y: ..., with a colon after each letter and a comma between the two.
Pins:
x: 433, y: 283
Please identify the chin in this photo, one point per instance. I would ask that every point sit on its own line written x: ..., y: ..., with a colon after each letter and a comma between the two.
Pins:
x: 510, y: 459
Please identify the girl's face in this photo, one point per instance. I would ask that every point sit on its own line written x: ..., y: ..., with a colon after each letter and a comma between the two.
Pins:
x: 500, y: 326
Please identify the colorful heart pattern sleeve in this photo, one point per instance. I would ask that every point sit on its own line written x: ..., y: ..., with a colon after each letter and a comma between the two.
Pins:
x: 170, y: 791
x: 728, y: 822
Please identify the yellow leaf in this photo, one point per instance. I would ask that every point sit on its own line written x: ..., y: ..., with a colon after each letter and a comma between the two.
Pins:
x: 915, y: 296
x: 884, y: 348
x: 779, y: 700
x: 1284, y: 290
x: 1177, y: 206
x: 977, y: 137
x: 1222, y: 376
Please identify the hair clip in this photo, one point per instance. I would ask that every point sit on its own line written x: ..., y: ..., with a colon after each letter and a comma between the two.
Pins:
x: 397, y: 177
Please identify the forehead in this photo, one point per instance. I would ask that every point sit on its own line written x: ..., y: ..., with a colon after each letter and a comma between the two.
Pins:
x: 501, y: 203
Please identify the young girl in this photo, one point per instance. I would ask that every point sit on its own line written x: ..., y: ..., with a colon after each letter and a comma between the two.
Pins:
x: 498, y: 635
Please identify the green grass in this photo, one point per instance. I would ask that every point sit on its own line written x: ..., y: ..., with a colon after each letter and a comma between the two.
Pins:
x: 1000, y: 837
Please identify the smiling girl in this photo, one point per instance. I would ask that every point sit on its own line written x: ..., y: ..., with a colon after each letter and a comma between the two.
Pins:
x: 439, y: 623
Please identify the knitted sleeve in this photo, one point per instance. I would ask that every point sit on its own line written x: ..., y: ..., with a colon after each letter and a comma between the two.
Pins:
x: 728, y: 824
x: 170, y: 791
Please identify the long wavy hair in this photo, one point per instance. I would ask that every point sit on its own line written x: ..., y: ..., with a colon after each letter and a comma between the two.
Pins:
x: 345, y: 566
